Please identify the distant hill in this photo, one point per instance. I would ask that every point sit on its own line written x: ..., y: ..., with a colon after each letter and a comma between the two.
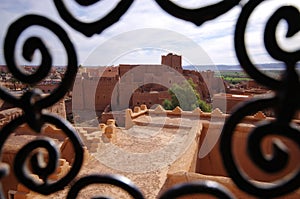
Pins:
x: 267, y: 66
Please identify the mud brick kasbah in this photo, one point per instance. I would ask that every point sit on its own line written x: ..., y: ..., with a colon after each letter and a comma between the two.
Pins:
x: 146, y: 130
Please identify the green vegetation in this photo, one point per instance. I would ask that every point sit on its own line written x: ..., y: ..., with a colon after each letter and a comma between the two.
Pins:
x: 186, y: 97
x: 238, y: 76
x: 233, y: 77
x: 235, y: 80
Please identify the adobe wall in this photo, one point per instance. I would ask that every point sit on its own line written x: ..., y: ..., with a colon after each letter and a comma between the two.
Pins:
x: 207, y: 83
x: 46, y: 88
x: 77, y: 93
x: 48, y: 130
x: 188, y: 177
x: 130, y: 88
x: 172, y: 60
x: 9, y: 114
x: 68, y: 105
x: 124, y: 68
x: 21, y: 137
x: 231, y: 100
x: 201, y: 86
x: 254, y: 84
x: 92, y: 93
x: 119, y: 116
x: 188, y: 160
x: 59, y: 108
x: 11, y: 147
x: 212, y: 163
x: 5, y: 105
x: 93, y: 87
x: 89, y: 88
x: 103, y: 94
x: 10, y: 181
x: 149, y: 98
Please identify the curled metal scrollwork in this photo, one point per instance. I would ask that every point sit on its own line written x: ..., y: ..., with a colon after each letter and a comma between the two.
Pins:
x: 88, y: 29
x: 86, y: 3
x: 201, y: 187
x: 277, y: 162
x: 30, y: 46
x: 199, y: 15
x: 285, y: 104
x: 270, y: 42
x: 32, y: 102
x: 43, y: 171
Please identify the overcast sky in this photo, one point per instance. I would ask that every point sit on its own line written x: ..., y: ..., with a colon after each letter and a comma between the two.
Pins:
x: 141, y: 35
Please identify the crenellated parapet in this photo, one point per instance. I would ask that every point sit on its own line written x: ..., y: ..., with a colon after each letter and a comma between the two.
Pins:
x: 215, y: 115
x: 8, y: 115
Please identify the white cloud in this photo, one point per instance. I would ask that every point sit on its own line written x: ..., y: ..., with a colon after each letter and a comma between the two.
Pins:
x: 215, y: 37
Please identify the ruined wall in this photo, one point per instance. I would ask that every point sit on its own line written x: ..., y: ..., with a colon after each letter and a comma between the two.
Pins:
x: 46, y: 88
x: 212, y: 164
x: 104, y: 91
x: 77, y: 93
x: 207, y: 83
x: 232, y: 100
x: 11, y: 147
x: 135, y: 82
x: 89, y: 88
x: 59, y: 108
x: 118, y: 116
x: 124, y: 68
x: 149, y: 98
x: 94, y: 87
x: 172, y: 60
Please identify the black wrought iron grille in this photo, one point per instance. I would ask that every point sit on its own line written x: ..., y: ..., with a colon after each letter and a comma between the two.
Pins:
x: 32, y: 102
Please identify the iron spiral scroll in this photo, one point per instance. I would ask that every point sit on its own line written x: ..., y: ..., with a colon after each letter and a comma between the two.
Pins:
x: 285, y: 104
x: 32, y: 102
